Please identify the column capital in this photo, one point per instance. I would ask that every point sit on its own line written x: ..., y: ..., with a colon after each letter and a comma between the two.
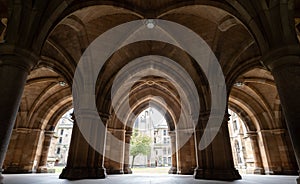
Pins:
x: 274, y: 131
x: 26, y: 130
x: 18, y: 57
x: 251, y: 134
x: 185, y: 130
x: 128, y: 133
x: 172, y: 133
x: 204, y: 116
x: 281, y: 56
x: 104, y: 116
x: 114, y: 130
x: 49, y: 133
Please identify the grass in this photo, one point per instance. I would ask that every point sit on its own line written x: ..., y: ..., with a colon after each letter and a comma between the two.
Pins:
x: 58, y: 169
x: 136, y: 170
x: 150, y: 170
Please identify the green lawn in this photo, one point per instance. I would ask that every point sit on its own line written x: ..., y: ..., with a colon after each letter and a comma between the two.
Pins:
x: 136, y: 170
x: 58, y: 169
x: 150, y: 170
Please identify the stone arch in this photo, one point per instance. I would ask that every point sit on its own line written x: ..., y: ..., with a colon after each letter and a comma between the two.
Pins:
x: 250, y: 126
x: 250, y: 98
x: 43, y: 95
x: 237, y: 55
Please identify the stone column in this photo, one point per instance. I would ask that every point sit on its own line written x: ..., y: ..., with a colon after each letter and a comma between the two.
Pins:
x: 287, y: 166
x: 115, y: 151
x: 256, y: 153
x: 13, y: 73
x: 24, y: 151
x: 84, y: 162
x: 126, y: 168
x: 45, y: 150
x: 186, y: 152
x: 216, y: 161
x: 284, y: 64
x: 173, y: 169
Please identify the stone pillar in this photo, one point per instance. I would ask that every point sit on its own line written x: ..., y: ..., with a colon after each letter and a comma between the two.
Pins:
x: 83, y: 161
x: 186, y: 152
x: 13, y: 74
x: 258, y: 165
x: 173, y: 169
x: 24, y: 151
x: 287, y: 166
x: 216, y: 161
x: 284, y: 64
x: 126, y: 168
x: 115, y: 151
x: 45, y: 150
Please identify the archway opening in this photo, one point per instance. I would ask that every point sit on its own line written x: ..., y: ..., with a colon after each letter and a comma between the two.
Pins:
x: 242, y: 150
x: 60, y: 143
x: 154, y: 155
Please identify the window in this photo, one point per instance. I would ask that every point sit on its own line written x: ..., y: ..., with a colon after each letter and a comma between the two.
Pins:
x: 62, y: 132
x: 240, y: 159
x: 60, y: 140
x: 58, y: 151
x: 237, y: 147
x: 165, y: 160
x: 165, y: 140
x: 165, y: 132
x: 154, y: 139
x: 234, y: 125
x: 165, y: 151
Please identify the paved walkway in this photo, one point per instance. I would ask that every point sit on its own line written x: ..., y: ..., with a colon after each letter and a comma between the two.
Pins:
x: 144, y: 179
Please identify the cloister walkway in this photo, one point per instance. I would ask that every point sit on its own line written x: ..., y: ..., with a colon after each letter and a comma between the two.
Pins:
x: 144, y: 179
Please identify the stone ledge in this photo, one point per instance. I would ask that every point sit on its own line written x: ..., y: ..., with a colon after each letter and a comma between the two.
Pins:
x: 215, y: 174
x: 83, y: 173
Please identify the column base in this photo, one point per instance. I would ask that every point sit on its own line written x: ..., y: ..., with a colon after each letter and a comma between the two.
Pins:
x: 214, y: 174
x: 186, y: 171
x: 127, y: 170
x: 1, y: 177
x: 83, y: 173
x: 16, y: 170
x: 289, y: 172
x: 258, y: 170
x: 114, y: 171
x: 298, y: 180
x: 173, y: 170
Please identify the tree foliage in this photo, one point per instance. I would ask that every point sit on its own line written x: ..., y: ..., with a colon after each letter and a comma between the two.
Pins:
x: 139, y: 145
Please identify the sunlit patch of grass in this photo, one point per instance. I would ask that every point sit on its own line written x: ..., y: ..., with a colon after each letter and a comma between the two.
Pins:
x: 58, y: 169
x: 150, y: 170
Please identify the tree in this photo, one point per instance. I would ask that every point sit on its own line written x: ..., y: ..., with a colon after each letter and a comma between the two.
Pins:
x: 139, y: 144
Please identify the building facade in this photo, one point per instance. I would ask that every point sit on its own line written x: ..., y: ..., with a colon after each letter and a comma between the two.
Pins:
x: 60, y: 142
x: 152, y: 124
x: 242, y: 150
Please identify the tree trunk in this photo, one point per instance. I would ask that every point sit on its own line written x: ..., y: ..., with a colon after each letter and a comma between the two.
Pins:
x: 133, y: 157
